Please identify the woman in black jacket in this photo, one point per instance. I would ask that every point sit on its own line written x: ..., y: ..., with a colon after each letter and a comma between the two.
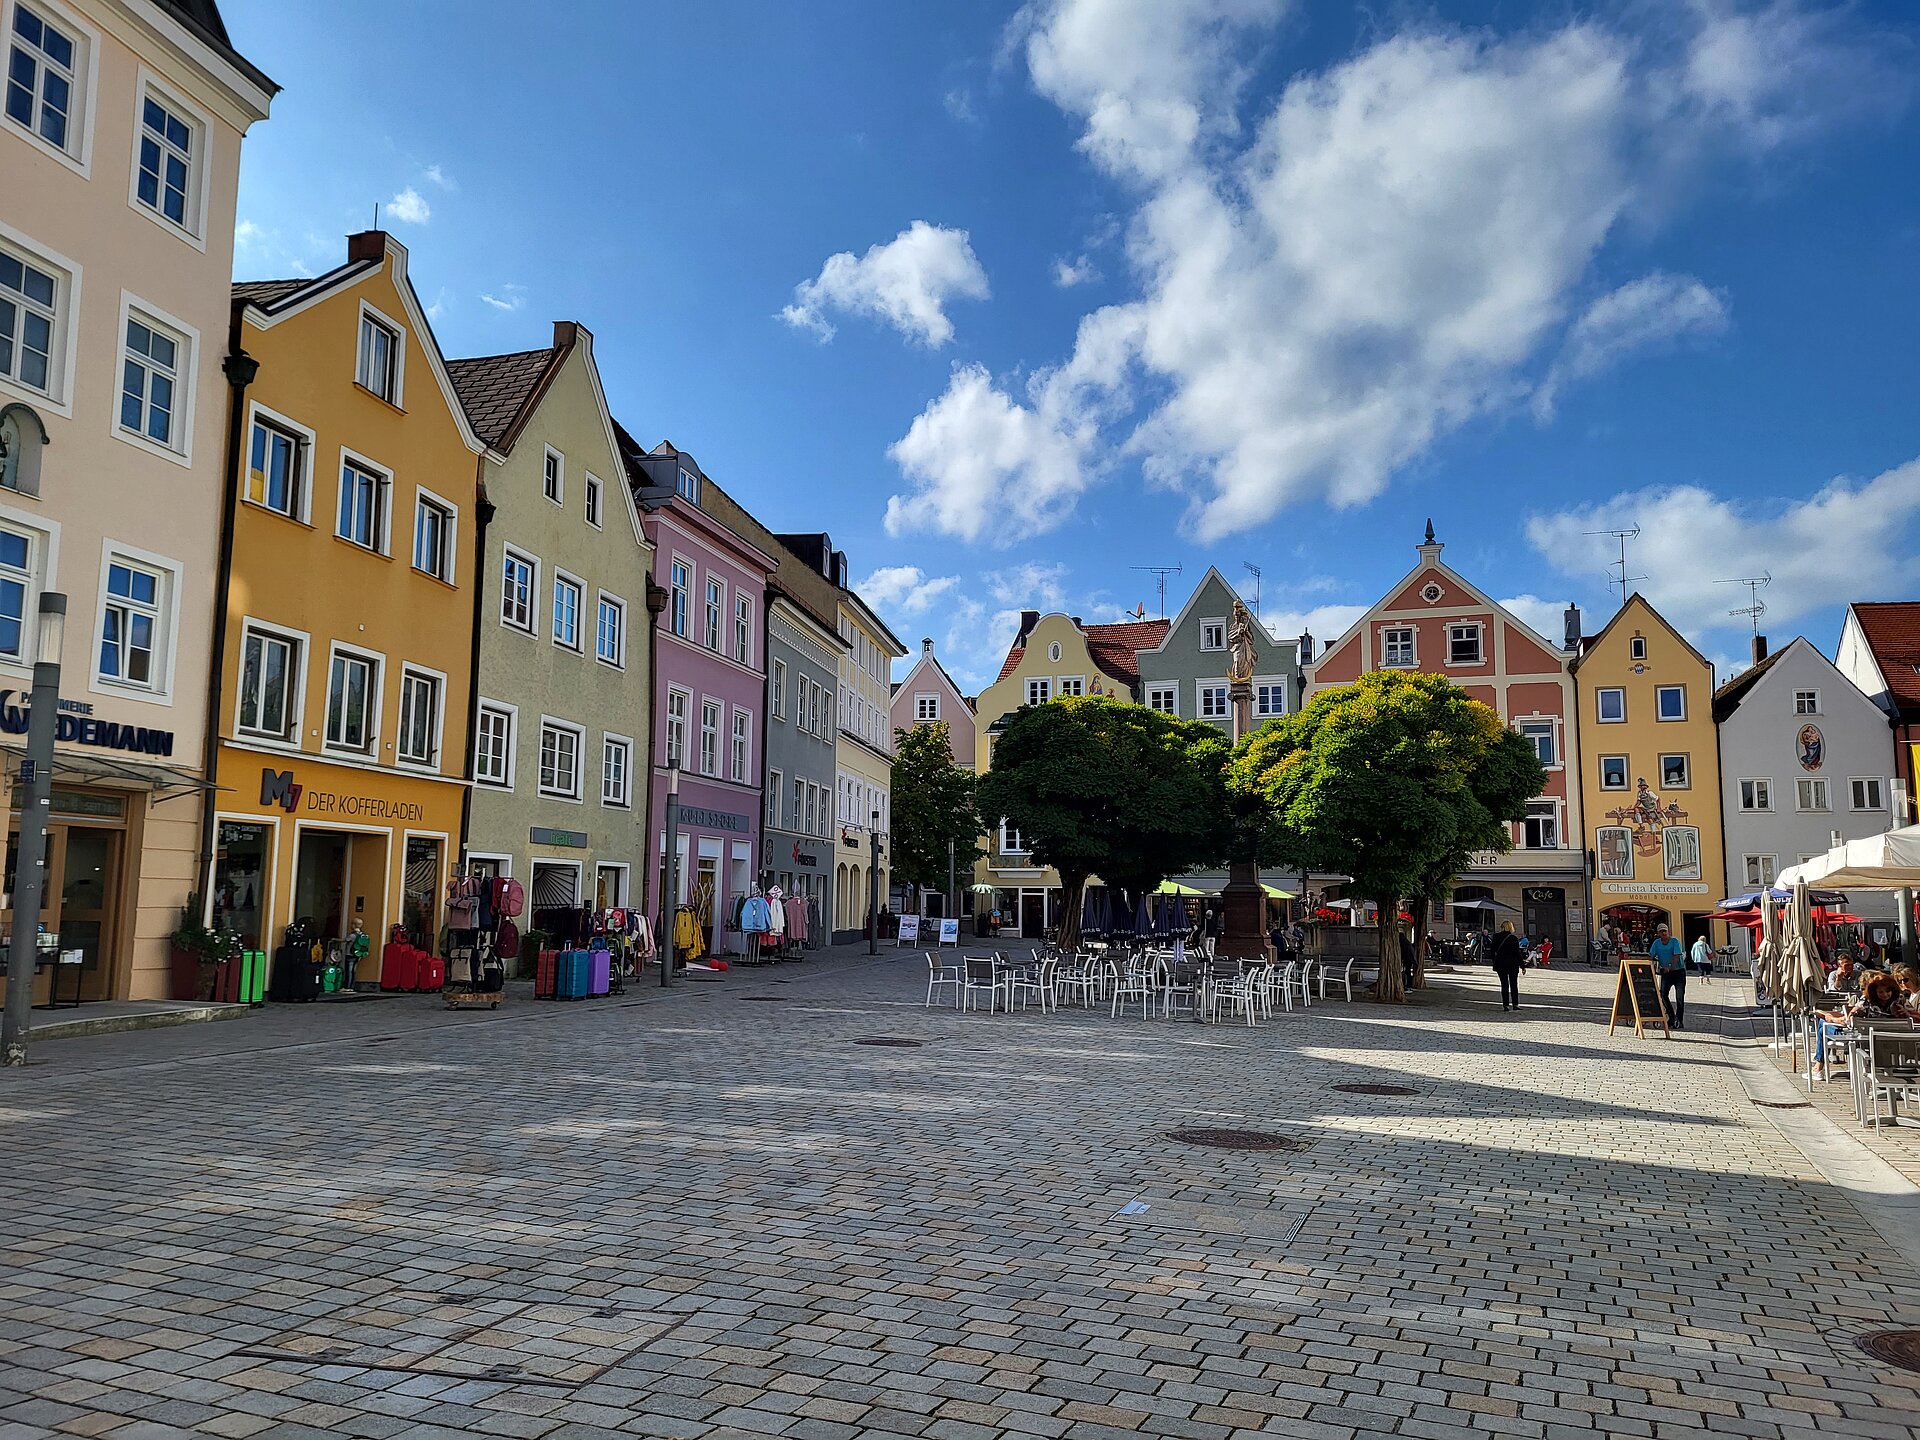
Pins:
x: 1506, y: 964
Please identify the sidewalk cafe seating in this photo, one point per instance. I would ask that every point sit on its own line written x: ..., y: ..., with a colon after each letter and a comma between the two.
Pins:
x: 983, y: 974
x: 941, y: 974
x: 1892, y: 1070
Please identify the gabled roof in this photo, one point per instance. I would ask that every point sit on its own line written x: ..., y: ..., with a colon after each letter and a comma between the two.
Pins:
x: 1728, y: 697
x: 495, y: 388
x: 1892, y: 632
x: 925, y: 656
x: 202, y: 18
x: 1114, y: 648
x: 1636, y: 601
x: 266, y: 292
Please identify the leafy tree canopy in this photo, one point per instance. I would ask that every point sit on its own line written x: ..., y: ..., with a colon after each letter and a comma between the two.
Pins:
x: 933, y: 803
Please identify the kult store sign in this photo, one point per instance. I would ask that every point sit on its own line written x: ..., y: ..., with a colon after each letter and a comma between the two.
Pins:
x: 77, y: 726
x: 280, y: 788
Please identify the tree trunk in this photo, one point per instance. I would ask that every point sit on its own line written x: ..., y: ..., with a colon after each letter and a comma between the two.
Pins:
x: 1073, y: 898
x: 1391, y: 986
x: 1422, y: 909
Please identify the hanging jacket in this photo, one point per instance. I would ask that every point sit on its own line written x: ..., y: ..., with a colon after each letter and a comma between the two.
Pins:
x: 754, y: 916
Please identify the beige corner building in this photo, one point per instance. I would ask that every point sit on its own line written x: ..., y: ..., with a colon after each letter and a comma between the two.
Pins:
x: 120, y: 133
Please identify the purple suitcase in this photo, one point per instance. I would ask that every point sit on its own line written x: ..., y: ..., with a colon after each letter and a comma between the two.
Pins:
x: 600, y: 972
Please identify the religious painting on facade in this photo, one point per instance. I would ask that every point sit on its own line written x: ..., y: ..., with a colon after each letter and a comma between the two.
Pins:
x: 1647, y: 818
x: 1811, y: 746
x: 1613, y: 845
x: 1681, y: 844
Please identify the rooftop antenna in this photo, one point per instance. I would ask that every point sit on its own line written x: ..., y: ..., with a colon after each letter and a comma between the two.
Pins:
x: 1160, y: 573
x: 1254, y: 570
x: 1623, y: 579
x: 1755, y: 606
x: 376, y: 214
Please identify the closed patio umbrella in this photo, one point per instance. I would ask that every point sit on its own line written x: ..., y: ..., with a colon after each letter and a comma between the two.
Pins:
x: 1142, y: 916
x: 1799, y: 973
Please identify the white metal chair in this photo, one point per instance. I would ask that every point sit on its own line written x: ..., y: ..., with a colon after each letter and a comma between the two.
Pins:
x: 982, y: 973
x: 1893, y: 1071
x: 1234, y: 989
x: 939, y: 974
x: 1136, y: 982
x: 1172, y: 988
x: 1033, y: 982
x: 1344, y: 975
x: 1078, y: 979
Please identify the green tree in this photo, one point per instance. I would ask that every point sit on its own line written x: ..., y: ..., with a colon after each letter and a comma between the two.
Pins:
x: 1395, y: 780
x: 933, y: 804
x: 1099, y: 786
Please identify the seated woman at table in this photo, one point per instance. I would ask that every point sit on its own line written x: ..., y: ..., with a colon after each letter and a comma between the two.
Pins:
x: 1879, y: 999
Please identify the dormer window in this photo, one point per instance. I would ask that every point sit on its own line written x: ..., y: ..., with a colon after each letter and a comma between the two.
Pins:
x: 689, y: 486
x: 1213, y: 634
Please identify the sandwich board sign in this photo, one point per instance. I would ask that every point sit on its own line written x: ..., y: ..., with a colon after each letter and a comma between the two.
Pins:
x: 1636, y: 998
x: 950, y: 931
x: 909, y: 929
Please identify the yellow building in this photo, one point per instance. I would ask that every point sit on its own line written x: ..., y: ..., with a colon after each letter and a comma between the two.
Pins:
x: 347, y: 642
x: 1052, y: 656
x: 1650, y: 776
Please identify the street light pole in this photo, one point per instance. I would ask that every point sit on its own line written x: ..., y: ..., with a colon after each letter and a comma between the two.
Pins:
x: 670, y: 899
x: 873, y: 886
x: 36, y: 782
x: 952, y: 906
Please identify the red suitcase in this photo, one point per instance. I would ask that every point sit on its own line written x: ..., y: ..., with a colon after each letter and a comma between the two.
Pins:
x: 433, y: 972
x: 399, y: 966
x: 546, y: 971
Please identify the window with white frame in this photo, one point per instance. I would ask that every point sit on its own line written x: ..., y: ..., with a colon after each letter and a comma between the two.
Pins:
x: 1541, y: 829
x: 616, y: 770
x: 1869, y: 793
x: 1164, y: 698
x: 743, y: 629
x: 1812, y: 794
x: 1463, y: 645
x: 1610, y: 705
x: 1213, y: 634
x: 1756, y: 795
x: 775, y: 796
x: 610, y: 631
x: 1806, y: 702
x: 716, y: 607
x: 1637, y: 648
x: 1073, y: 685
x: 353, y: 702
x: 679, y: 582
x: 1270, y: 698
x: 742, y: 743
x: 1039, y: 691
x: 805, y: 797
x: 1540, y: 735
x: 593, y: 489
x: 518, y: 575
x: 363, y: 504
x: 777, y: 689
x: 279, y: 462
x: 132, y: 624
x: 33, y: 299
x: 553, y: 480
x: 1011, y: 840
x: 1213, y: 701
x: 926, y: 708
x: 153, y: 394
x: 493, y: 745
x: 568, y: 596
x: 1397, y: 647
x: 433, y: 537
x: 168, y: 160
x: 678, y: 702
x: 1676, y: 772
x: 560, y: 759
x: 709, y: 737
x: 418, y: 742
x: 16, y: 584
x: 1760, y: 870
x: 45, y: 70
x: 1670, y: 702
x: 377, y: 362
x: 689, y: 486
x: 270, y: 671
x: 1613, y: 772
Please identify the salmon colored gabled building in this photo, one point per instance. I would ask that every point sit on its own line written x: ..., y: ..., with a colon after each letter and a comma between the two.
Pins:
x: 1435, y: 619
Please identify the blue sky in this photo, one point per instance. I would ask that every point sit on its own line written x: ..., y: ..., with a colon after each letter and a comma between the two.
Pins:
x: 1011, y: 299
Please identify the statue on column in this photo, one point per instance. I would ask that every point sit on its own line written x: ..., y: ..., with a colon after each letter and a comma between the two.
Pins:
x: 1240, y: 658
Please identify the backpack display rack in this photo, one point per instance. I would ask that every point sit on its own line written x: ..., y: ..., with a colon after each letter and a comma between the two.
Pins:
x: 481, y: 937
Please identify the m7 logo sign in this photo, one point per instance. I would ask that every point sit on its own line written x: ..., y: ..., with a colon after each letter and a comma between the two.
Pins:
x: 279, y: 788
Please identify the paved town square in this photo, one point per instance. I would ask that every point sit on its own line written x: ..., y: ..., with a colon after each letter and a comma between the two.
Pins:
x: 727, y: 1210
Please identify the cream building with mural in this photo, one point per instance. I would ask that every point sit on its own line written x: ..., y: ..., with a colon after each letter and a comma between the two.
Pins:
x: 119, y: 161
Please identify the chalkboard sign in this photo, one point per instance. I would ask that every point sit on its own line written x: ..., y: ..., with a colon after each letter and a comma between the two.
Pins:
x: 1636, y: 997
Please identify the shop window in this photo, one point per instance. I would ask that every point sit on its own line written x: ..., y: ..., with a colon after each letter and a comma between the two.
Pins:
x: 377, y: 361
x: 519, y: 574
x: 279, y: 466
x: 1397, y: 647
x: 743, y: 629
x: 132, y: 624
x: 433, y: 527
x: 353, y: 702
x: 419, y: 739
x: 166, y: 176
x: 560, y: 759
x: 155, y: 376
x: 33, y: 300
x: 677, y: 597
x: 493, y: 745
x: 270, y: 671
x: 1613, y: 772
x: 16, y: 584
x: 567, y: 598
x: 741, y: 745
x: 593, y: 488
x: 616, y: 770
x: 610, y: 632
x: 45, y: 63
x: 363, y: 505
x: 709, y: 737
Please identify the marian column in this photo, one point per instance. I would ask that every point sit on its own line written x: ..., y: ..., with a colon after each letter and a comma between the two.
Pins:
x: 1243, y: 902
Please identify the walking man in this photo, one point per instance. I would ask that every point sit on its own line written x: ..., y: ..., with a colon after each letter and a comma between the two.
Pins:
x: 1209, y: 930
x: 1670, y: 959
x: 1506, y: 964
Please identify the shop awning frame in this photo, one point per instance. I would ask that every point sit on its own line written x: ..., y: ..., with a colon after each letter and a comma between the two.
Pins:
x: 167, y: 782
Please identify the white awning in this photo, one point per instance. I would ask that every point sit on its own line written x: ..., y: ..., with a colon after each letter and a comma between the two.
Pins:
x: 1879, y: 862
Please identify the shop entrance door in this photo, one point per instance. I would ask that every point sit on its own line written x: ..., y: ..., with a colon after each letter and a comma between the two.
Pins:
x: 1545, y: 916
x: 320, y: 881
x: 420, y: 902
x: 89, y: 860
x: 1033, y: 914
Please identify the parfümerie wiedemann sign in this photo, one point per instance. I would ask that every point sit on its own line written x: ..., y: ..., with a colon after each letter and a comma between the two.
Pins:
x: 79, y: 726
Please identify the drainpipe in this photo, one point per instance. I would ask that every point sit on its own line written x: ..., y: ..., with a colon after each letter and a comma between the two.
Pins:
x: 240, y: 368
x: 483, y: 513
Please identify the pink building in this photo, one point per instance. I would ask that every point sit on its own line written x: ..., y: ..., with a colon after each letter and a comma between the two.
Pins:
x: 1437, y: 621
x: 926, y: 695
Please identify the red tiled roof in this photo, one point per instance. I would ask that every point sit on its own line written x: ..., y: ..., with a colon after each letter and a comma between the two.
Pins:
x: 1892, y: 628
x: 1115, y: 648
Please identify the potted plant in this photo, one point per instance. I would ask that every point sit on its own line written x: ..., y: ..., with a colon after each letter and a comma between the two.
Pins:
x: 194, y: 957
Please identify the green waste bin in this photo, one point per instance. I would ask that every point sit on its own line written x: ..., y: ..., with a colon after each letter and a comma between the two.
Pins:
x: 253, y: 977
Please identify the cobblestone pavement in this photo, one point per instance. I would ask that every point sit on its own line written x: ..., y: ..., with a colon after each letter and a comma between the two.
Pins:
x: 718, y: 1213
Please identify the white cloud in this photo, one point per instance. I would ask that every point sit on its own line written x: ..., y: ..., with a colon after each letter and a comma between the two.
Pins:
x: 511, y: 298
x: 1324, y: 622
x: 1851, y: 540
x: 1546, y: 618
x: 904, y: 590
x: 440, y: 177
x: 1656, y: 309
x: 409, y: 208
x: 247, y: 235
x: 906, y: 282
x: 1397, y: 250
x: 959, y: 103
x: 1069, y: 273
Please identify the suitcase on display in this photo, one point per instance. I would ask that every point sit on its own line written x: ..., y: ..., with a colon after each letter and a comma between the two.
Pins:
x: 599, y: 971
x: 399, y: 966
x: 433, y: 972
x: 546, y: 971
x: 295, y: 973
x: 330, y: 978
x: 573, y: 973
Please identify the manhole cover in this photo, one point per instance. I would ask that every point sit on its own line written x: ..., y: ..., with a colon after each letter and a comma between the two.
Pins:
x: 1237, y: 1139
x: 1378, y: 1089
x: 894, y: 1041
x: 1900, y: 1348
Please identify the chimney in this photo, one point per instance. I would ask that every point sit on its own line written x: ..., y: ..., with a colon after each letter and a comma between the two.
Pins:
x: 1759, y: 648
x: 1572, y: 644
x: 565, y: 333
x: 367, y: 245
x: 1306, y: 647
x: 1028, y: 619
x: 926, y: 648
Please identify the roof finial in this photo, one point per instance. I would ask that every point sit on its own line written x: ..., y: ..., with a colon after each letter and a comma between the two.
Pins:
x: 1429, y: 530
